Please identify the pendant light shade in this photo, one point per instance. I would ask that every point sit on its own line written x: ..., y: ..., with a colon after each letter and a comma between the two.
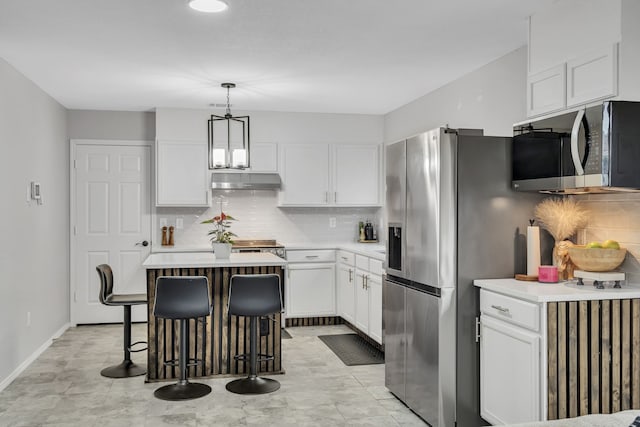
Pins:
x: 209, y: 6
x: 228, y: 139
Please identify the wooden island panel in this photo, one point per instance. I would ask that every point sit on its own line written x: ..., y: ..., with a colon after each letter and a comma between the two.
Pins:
x: 215, y: 339
x: 593, y: 359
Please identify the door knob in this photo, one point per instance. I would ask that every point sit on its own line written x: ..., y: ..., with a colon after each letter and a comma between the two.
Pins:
x: 143, y: 243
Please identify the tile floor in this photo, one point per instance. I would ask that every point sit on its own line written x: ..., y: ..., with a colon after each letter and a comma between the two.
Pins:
x: 63, y: 387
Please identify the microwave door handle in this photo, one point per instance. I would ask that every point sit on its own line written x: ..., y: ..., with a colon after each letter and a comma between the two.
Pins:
x: 575, y: 154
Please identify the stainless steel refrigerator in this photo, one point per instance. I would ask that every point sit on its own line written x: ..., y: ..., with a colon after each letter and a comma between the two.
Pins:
x: 452, y: 218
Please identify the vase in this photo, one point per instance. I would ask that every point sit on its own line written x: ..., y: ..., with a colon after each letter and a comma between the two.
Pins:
x: 221, y: 250
x: 561, y: 259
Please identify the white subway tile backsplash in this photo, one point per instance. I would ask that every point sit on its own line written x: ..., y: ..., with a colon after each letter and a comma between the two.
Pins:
x: 259, y: 217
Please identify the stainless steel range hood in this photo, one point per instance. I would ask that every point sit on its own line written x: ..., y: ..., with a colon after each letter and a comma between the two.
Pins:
x: 245, y: 181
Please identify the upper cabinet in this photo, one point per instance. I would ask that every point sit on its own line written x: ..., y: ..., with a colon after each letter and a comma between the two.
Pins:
x: 330, y: 175
x: 580, y: 52
x: 182, y: 175
x: 264, y: 157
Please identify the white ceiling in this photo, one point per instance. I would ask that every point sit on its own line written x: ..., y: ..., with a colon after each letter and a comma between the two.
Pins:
x: 340, y: 56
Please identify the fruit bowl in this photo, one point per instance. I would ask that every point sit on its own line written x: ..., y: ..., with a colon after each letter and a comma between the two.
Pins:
x: 596, y: 259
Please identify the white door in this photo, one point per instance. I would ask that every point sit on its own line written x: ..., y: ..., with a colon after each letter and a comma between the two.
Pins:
x: 356, y: 175
x: 346, y: 293
x: 374, y: 285
x: 362, y: 302
x: 111, y: 218
x: 311, y: 290
x: 305, y: 175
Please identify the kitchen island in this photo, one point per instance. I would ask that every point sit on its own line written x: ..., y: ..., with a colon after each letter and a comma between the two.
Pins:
x: 557, y: 350
x: 217, y: 338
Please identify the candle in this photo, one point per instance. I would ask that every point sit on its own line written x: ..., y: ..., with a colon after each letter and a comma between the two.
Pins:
x: 533, y: 250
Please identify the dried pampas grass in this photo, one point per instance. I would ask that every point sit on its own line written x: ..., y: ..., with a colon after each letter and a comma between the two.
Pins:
x: 560, y: 217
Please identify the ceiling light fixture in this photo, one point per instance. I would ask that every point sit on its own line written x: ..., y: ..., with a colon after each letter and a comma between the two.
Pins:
x: 228, y: 139
x: 209, y: 6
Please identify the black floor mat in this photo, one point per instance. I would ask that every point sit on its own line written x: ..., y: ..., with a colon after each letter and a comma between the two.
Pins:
x: 353, y: 350
x: 285, y: 335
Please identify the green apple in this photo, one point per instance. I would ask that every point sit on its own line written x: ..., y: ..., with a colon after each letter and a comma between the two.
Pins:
x: 610, y: 244
x: 593, y: 245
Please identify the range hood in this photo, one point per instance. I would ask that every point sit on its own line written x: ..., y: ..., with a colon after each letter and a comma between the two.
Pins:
x: 245, y: 181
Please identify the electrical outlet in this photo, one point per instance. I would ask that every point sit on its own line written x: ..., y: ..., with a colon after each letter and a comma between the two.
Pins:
x: 179, y: 223
x: 163, y: 222
x: 332, y: 222
x: 28, y: 318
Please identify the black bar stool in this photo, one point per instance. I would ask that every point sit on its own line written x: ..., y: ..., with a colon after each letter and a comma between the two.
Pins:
x: 182, y: 298
x: 254, y: 296
x: 127, y: 368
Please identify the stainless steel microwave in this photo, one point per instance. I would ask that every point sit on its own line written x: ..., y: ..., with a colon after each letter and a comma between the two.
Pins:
x: 595, y: 149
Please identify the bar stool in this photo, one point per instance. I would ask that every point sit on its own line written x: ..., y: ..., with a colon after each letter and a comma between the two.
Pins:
x: 254, y: 296
x: 127, y: 368
x: 182, y: 298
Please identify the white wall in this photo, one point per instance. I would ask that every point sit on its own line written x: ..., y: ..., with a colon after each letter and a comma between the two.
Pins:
x: 257, y: 211
x: 123, y: 125
x: 34, y: 256
x: 492, y: 98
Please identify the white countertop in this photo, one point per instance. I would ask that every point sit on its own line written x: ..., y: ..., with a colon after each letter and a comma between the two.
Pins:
x: 563, y: 291
x: 208, y: 259
x: 373, y: 250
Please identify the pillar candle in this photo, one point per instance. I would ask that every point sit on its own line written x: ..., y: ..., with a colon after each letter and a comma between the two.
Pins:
x: 533, y: 250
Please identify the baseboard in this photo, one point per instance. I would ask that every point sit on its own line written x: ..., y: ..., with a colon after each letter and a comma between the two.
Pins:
x: 24, y: 365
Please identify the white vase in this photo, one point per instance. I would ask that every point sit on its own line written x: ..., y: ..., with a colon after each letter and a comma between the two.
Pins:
x: 221, y: 250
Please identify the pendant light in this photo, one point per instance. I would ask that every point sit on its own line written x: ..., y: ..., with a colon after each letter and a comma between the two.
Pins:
x: 208, y: 6
x: 228, y: 139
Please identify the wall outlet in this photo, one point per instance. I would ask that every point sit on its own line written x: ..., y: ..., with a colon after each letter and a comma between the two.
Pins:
x: 179, y: 223
x: 28, y: 318
x: 163, y: 222
x: 332, y: 222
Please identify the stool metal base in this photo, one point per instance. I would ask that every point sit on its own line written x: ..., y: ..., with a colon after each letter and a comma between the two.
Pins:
x: 253, y: 385
x: 184, y: 391
x: 125, y: 369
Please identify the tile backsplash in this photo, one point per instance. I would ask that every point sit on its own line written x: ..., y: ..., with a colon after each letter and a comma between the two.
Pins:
x: 617, y: 217
x: 258, y: 217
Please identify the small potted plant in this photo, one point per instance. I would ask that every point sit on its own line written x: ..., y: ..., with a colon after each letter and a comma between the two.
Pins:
x: 221, y: 237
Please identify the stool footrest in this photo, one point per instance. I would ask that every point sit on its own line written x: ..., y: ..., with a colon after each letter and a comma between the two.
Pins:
x: 261, y: 357
x: 176, y: 362
x: 131, y: 350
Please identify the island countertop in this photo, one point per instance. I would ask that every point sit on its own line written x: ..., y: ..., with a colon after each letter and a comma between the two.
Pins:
x: 208, y: 259
x: 547, y: 292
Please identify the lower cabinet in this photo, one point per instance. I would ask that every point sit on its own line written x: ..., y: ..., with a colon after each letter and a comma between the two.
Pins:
x: 311, y: 284
x: 510, y: 361
x: 345, y: 285
x: 368, y: 297
x: 509, y: 373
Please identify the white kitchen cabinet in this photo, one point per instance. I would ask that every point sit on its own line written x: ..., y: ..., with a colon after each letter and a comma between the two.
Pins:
x: 597, y: 46
x: 311, y: 279
x: 304, y: 170
x: 264, y: 157
x: 345, y: 286
x: 182, y: 175
x: 330, y: 175
x: 356, y: 176
x: 510, y: 363
x: 368, y: 297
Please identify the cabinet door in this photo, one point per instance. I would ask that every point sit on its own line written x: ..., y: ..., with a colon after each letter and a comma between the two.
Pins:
x: 182, y: 175
x: 374, y: 284
x: 264, y: 157
x: 509, y: 373
x: 362, y: 302
x: 546, y: 91
x: 356, y: 175
x: 592, y: 76
x: 346, y: 292
x: 310, y: 290
x: 305, y: 175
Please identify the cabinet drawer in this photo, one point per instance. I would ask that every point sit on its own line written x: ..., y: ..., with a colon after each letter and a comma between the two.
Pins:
x: 510, y: 309
x: 375, y: 266
x: 346, y: 257
x: 311, y: 255
x: 362, y: 262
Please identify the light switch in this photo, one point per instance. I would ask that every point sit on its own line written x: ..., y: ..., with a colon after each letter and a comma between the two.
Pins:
x: 179, y: 223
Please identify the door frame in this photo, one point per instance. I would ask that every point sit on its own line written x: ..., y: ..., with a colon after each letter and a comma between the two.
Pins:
x: 74, y: 143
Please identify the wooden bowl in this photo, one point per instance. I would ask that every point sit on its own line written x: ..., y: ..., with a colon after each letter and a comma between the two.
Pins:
x: 596, y: 259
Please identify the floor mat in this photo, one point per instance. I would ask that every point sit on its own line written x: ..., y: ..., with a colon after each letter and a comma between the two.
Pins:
x: 285, y: 335
x: 352, y: 349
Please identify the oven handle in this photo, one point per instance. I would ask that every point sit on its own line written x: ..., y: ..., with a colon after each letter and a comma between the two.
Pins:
x: 575, y: 154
